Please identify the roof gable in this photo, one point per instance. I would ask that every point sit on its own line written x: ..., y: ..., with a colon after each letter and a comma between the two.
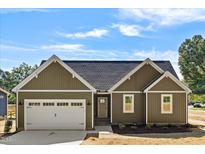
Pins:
x: 52, y: 59
x: 55, y: 76
x: 172, y: 77
x: 147, y: 61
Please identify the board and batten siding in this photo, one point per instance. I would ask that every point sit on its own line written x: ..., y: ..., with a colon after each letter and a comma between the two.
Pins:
x: 139, y: 79
x: 117, y: 109
x: 55, y: 77
x: 179, y: 109
x: 62, y: 95
x: 166, y: 84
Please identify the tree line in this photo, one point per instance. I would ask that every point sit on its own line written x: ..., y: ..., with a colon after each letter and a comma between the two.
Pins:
x: 9, y: 79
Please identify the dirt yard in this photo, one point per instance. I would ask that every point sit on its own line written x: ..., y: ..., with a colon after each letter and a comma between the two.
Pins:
x: 197, y: 117
x: 196, y: 137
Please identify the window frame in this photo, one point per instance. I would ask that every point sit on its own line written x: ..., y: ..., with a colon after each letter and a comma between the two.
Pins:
x: 128, y: 95
x: 171, y: 104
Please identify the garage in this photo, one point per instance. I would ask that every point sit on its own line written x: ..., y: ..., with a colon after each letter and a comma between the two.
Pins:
x: 54, y: 114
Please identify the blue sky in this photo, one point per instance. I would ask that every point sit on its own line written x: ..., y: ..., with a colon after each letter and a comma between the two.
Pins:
x: 30, y: 35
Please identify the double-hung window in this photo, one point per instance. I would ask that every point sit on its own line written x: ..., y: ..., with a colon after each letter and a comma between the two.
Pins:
x: 166, y: 104
x: 128, y: 103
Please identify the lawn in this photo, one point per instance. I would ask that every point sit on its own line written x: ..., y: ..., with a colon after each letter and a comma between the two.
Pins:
x: 197, y: 108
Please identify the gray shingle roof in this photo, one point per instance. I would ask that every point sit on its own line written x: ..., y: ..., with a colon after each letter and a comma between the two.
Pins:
x: 102, y: 75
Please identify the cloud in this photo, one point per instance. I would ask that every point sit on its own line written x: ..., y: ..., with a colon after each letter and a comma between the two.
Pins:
x: 96, y: 33
x: 131, y: 30
x: 128, y: 30
x: 164, y: 17
x: 8, y: 47
x: 8, y: 11
x: 62, y: 47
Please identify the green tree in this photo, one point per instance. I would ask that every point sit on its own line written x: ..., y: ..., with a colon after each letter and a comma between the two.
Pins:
x: 8, y: 80
x: 192, y: 63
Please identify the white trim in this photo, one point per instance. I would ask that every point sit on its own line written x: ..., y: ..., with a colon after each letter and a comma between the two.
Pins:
x: 133, y: 110
x: 168, y: 74
x: 127, y: 76
x: 127, y: 92
x: 48, y: 100
x: 171, y: 104
x: 25, y: 114
x: 146, y: 108
x: 186, y: 108
x: 4, y: 91
x: 102, y: 93
x: 38, y: 90
x: 111, y: 108
x: 166, y: 92
x: 92, y: 110
x: 17, y: 104
x: 85, y: 111
x: 52, y: 59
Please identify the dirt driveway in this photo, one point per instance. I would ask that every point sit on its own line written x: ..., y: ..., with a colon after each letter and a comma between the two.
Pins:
x: 196, y: 137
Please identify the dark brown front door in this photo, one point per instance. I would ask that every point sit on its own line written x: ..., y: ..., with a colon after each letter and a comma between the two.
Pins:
x: 102, y: 107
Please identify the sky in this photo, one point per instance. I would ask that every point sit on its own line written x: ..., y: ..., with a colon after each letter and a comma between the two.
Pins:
x: 31, y: 35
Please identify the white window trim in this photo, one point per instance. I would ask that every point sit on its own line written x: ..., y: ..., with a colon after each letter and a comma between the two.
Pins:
x: 171, y: 103
x: 125, y: 95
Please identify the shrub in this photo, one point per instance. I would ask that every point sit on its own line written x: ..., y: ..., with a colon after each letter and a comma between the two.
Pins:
x: 8, y: 126
x: 148, y: 126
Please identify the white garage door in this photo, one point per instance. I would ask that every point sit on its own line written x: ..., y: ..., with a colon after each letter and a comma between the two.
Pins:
x: 54, y: 114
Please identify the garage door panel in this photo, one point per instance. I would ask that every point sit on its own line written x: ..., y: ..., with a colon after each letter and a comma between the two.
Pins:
x: 62, y: 114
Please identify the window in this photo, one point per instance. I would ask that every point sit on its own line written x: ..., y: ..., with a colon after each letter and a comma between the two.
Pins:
x: 166, y: 103
x: 48, y: 104
x: 102, y: 100
x: 76, y: 104
x: 63, y: 104
x: 128, y: 103
x: 34, y: 104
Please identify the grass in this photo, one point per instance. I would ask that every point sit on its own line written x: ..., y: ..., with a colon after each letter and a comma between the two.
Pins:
x: 197, y: 108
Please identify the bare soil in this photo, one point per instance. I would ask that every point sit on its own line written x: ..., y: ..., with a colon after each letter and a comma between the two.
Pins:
x: 196, y: 135
x: 145, y: 141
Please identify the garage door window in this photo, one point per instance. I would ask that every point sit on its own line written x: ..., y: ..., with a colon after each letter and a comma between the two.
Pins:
x: 34, y: 104
x: 63, y: 104
x: 76, y: 104
x: 48, y: 104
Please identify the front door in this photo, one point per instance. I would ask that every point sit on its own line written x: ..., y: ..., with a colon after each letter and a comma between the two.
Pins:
x: 102, y: 107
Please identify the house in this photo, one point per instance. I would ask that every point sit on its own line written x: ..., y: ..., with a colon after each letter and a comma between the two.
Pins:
x: 3, y: 102
x: 83, y: 94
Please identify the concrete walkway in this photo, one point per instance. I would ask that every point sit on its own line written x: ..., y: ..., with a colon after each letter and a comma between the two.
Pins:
x: 45, y: 138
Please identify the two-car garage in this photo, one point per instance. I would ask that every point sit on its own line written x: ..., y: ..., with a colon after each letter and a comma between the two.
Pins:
x: 57, y: 114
